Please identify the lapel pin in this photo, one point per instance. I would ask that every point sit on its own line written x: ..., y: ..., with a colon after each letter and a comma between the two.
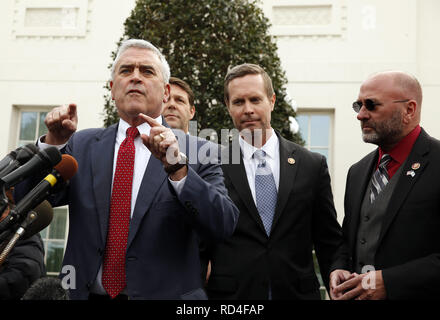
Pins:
x: 411, y: 173
x: 415, y: 166
x: 291, y: 161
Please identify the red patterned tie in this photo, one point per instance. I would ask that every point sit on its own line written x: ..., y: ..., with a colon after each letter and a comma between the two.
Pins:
x: 113, y: 274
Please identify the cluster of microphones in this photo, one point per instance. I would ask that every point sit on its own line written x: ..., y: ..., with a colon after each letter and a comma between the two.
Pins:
x: 32, y: 213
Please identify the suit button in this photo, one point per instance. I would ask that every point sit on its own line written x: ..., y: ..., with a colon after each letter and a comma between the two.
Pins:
x: 189, y: 206
x: 363, y: 241
x: 366, y: 218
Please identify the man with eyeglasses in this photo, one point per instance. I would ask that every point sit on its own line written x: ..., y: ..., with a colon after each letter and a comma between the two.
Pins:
x: 392, y: 200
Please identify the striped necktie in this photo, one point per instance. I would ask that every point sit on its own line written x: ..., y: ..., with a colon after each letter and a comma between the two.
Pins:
x: 380, y: 177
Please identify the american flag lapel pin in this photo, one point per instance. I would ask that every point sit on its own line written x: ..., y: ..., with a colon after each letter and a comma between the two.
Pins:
x: 411, y: 173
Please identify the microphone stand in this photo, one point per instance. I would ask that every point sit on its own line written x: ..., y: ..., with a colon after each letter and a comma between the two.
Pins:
x: 31, y: 217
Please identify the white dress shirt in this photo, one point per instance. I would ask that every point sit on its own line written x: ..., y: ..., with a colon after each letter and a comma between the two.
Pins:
x: 272, y: 149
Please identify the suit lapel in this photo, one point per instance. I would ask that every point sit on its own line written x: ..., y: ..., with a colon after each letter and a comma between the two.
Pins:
x: 237, y: 175
x: 154, y: 177
x: 361, y: 179
x: 406, y: 182
x: 152, y: 180
x: 102, y: 167
x: 288, y: 172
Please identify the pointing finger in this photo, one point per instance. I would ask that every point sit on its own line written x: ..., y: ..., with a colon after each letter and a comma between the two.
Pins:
x: 149, y: 120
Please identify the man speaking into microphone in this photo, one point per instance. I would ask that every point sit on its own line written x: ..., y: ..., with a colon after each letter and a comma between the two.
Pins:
x: 137, y: 206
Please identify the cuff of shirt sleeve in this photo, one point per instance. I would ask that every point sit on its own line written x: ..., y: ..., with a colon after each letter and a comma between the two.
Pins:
x: 177, y: 185
x: 43, y: 145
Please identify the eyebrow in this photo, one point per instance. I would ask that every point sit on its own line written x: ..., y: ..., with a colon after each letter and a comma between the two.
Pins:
x: 133, y: 65
x: 177, y: 95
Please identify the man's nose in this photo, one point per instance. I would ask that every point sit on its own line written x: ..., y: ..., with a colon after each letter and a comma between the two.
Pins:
x: 135, y: 76
x: 363, y: 113
x: 248, y: 108
x: 170, y: 104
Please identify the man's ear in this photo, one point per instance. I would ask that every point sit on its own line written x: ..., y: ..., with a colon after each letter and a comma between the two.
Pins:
x: 272, y: 101
x: 192, y: 111
x: 111, y: 89
x: 166, y: 95
x: 411, y: 111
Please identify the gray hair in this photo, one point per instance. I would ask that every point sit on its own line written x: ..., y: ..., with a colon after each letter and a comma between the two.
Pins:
x: 143, y: 44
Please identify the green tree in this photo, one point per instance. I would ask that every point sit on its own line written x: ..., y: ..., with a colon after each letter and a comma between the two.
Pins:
x: 201, y: 39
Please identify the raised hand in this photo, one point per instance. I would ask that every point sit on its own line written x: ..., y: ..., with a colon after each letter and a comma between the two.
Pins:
x: 61, y: 122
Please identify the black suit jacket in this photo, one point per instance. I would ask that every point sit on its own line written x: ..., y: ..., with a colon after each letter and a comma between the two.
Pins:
x: 408, y: 251
x: 245, y: 264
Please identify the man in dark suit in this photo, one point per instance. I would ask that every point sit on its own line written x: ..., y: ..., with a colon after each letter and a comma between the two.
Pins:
x: 285, y: 202
x: 392, y: 208
x: 147, y: 248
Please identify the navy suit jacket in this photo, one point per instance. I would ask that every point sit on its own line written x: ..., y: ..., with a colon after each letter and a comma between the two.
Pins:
x: 162, y: 258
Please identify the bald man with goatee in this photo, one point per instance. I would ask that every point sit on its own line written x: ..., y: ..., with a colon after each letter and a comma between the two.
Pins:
x: 392, y: 201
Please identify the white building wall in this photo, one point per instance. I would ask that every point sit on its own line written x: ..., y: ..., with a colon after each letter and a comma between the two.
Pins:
x: 326, y: 64
x: 58, y: 51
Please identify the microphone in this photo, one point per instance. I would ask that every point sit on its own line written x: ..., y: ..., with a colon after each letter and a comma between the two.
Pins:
x: 8, y: 158
x: 35, y: 221
x: 44, y: 216
x: 46, y: 288
x: 43, y: 160
x: 17, y: 158
x: 62, y: 172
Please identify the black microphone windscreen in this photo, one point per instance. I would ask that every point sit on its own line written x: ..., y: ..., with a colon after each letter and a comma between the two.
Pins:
x: 44, y: 159
x: 31, y: 147
x: 46, y: 288
x: 52, y: 154
x: 24, y: 154
x: 44, y: 213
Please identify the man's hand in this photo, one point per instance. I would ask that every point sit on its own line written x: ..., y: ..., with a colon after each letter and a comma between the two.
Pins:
x: 367, y: 286
x: 337, y: 277
x: 61, y: 122
x: 164, y: 146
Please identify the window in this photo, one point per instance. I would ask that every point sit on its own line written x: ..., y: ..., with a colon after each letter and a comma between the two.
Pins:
x: 54, y: 238
x: 316, y: 131
x: 31, y: 127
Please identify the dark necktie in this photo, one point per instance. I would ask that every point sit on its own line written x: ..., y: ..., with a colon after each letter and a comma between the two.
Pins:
x: 113, y: 274
x: 380, y: 177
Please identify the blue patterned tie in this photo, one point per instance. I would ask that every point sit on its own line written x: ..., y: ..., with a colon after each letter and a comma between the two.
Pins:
x: 265, y: 190
x: 380, y: 177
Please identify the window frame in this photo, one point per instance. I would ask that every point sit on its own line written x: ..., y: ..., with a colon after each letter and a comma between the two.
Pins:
x: 18, y: 112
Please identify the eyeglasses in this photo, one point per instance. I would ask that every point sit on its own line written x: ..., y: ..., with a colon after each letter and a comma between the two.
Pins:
x: 370, y: 105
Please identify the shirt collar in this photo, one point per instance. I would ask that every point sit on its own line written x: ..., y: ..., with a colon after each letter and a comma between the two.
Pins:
x: 143, y: 128
x: 270, y: 147
x: 401, y: 151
